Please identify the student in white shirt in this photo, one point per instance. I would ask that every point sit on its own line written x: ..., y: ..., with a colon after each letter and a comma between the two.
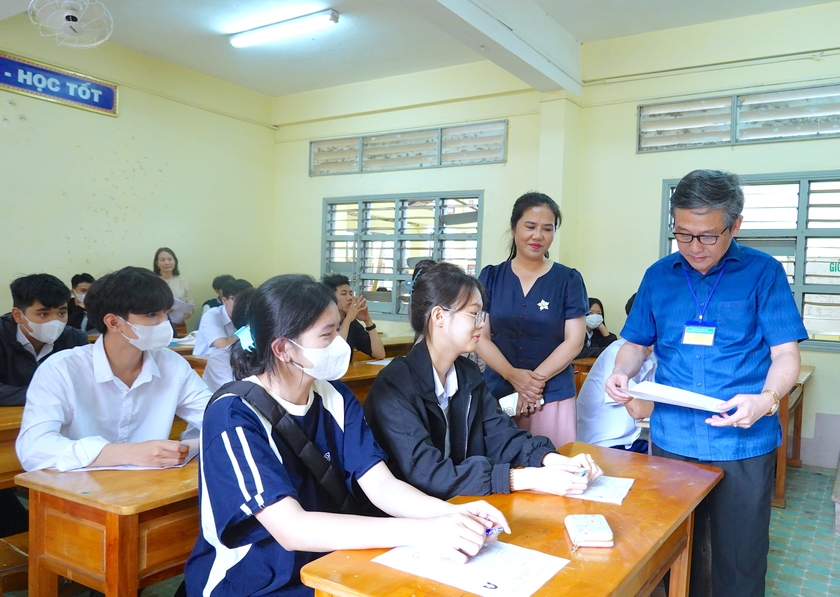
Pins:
x: 602, y: 421
x: 215, y: 331
x: 113, y: 402
x: 218, y: 370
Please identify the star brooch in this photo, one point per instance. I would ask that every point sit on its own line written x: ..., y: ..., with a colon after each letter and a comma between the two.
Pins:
x: 543, y: 305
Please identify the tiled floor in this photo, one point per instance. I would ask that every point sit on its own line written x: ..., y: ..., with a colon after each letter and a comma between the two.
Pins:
x: 804, y: 558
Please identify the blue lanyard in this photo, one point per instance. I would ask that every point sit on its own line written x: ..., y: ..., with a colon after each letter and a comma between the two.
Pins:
x: 702, y: 309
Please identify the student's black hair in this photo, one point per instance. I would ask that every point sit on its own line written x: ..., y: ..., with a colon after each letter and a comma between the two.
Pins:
x: 232, y: 288
x: 523, y: 204
x: 44, y: 288
x: 176, y: 271
x: 423, y: 264
x: 219, y: 281
x: 594, y: 301
x: 282, y: 307
x: 441, y: 284
x: 81, y: 279
x: 333, y: 281
x: 629, y: 304
x: 242, y: 307
x: 129, y: 290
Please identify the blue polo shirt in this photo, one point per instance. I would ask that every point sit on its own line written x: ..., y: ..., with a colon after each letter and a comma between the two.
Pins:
x: 528, y: 328
x: 753, y: 309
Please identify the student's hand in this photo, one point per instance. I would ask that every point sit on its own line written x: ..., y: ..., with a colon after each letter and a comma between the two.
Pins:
x: 187, y: 315
x: 358, y: 306
x: 602, y: 329
x: 460, y: 534
x: 585, y: 461
x: 158, y: 452
x: 525, y: 407
x: 615, y: 386
x: 558, y: 479
x: 487, y: 513
x: 750, y: 408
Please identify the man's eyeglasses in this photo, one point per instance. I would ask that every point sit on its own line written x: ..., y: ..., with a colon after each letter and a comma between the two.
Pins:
x: 478, y: 317
x: 705, y: 239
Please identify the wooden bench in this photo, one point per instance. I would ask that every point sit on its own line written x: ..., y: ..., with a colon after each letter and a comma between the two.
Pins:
x: 835, y: 497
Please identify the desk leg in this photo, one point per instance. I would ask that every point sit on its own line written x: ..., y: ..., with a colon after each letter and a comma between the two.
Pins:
x: 796, y: 460
x: 121, y: 558
x: 681, y: 568
x: 781, y: 455
x: 42, y: 582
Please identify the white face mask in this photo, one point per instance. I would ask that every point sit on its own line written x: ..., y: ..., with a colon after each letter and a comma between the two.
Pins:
x: 150, y: 337
x: 593, y: 320
x: 80, y: 296
x: 328, y: 363
x: 46, y: 332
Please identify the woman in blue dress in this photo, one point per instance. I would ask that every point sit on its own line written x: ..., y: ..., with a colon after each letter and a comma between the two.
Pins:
x: 537, y: 323
x: 264, y: 514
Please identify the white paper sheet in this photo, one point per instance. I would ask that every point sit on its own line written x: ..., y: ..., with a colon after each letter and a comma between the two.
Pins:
x: 649, y: 390
x: 179, y: 309
x: 610, y: 490
x: 130, y: 467
x: 499, y: 569
x: 382, y: 362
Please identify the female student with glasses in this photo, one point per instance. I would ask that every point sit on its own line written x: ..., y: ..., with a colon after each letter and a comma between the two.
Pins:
x: 434, y: 415
x: 264, y: 514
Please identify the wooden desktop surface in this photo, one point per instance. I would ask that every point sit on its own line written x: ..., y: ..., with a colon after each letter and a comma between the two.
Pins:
x: 652, y: 534
x: 112, y: 531
x: 359, y: 378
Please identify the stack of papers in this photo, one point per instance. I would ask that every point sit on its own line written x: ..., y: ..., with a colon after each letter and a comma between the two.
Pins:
x: 610, y: 490
x: 649, y: 390
x: 179, y: 310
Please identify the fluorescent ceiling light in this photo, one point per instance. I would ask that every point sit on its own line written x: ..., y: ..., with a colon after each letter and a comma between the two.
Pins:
x: 284, y: 29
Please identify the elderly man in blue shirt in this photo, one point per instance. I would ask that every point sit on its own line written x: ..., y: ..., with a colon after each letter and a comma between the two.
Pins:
x: 723, y: 323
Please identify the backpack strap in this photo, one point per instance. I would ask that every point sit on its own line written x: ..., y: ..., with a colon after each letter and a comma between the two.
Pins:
x: 291, y: 433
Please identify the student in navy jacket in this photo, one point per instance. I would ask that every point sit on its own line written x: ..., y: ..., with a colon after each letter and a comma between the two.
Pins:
x: 436, y: 418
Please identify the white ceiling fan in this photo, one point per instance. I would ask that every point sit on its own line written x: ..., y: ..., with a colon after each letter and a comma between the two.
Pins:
x: 74, y: 23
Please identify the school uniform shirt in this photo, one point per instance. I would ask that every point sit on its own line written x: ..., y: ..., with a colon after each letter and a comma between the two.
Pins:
x: 463, y: 446
x: 217, y: 370
x: 358, y: 339
x: 246, y: 467
x: 601, y: 421
x: 215, y: 324
x: 526, y: 329
x: 18, y: 360
x: 76, y: 406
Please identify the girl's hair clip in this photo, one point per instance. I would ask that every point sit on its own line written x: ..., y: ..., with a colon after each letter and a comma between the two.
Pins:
x: 245, y: 338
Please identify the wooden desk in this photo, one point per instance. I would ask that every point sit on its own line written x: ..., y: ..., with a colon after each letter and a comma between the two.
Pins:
x: 10, y: 417
x: 397, y: 346
x: 653, y: 530
x: 182, y: 350
x: 197, y: 363
x: 583, y: 365
x: 112, y: 531
x: 359, y: 378
x: 791, y: 403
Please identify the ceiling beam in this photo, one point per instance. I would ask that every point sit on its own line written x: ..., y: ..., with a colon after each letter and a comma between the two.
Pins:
x: 517, y: 35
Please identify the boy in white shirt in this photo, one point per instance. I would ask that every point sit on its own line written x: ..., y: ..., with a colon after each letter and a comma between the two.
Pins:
x: 113, y: 402
x: 216, y: 331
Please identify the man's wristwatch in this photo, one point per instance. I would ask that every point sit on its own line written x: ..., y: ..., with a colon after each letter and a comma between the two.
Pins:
x: 370, y: 328
x: 776, y: 401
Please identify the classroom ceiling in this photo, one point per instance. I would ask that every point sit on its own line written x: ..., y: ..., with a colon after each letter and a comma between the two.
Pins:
x: 382, y: 38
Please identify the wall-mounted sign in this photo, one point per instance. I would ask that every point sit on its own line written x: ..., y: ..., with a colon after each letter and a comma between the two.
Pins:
x: 35, y: 79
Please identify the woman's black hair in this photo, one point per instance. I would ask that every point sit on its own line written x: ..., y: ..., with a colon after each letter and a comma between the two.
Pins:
x: 444, y: 285
x: 175, y: 272
x: 282, y: 307
x: 129, y: 290
x: 594, y: 301
x: 523, y: 204
x: 242, y: 307
x: 81, y: 279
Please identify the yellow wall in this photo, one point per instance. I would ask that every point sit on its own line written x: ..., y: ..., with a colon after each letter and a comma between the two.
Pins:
x: 187, y: 164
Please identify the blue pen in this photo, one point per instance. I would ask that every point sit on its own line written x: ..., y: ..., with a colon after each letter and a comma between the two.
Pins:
x: 493, y: 532
x: 582, y: 472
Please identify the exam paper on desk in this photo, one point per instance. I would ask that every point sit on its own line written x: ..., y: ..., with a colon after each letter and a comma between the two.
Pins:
x: 609, y: 490
x: 130, y: 467
x: 499, y: 569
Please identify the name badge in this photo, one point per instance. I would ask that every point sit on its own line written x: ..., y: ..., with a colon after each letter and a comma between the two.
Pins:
x: 699, y: 333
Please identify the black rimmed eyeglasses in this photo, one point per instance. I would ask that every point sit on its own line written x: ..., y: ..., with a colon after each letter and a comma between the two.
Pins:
x: 704, y: 239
